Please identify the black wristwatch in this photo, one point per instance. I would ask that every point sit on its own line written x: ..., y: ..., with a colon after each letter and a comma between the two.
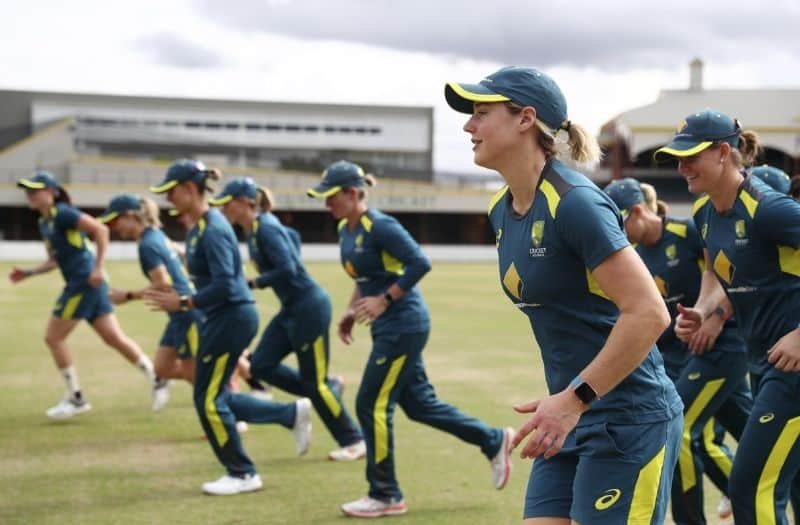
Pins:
x: 583, y: 390
x: 184, y: 303
x: 389, y: 298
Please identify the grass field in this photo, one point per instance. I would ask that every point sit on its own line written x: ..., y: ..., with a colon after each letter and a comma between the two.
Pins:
x: 121, y: 463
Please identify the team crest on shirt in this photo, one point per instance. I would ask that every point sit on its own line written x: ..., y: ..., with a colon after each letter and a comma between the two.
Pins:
x: 740, y: 231
x: 359, y: 242
x: 671, y: 251
x: 537, y: 234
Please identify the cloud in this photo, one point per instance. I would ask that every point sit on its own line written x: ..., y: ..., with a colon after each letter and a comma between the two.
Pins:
x: 170, y: 50
x: 612, y: 35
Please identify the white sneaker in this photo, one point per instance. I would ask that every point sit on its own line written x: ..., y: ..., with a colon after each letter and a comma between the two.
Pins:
x: 367, y: 507
x: 724, y: 509
x: 160, y: 394
x: 230, y: 485
x: 68, y: 407
x: 242, y: 427
x: 501, y: 462
x: 349, y: 453
x: 302, y: 425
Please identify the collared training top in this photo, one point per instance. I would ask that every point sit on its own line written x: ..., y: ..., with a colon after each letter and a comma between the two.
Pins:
x: 155, y: 250
x: 215, y: 265
x: 377, y: 253
x: 546, y: 257
x: 676, y: 263
x: 276, y: 253
x: 67, y: 244
x: 753, y: 249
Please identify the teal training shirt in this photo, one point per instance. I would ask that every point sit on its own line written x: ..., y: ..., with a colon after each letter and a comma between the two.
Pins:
x: 676, y: 263
x: 377, y: 253
x: 155, y: 250
x: 67, y: 244
x: 545, y: 262
x: 276, y: 253
x: 215, y: 265
x: 753, y: 249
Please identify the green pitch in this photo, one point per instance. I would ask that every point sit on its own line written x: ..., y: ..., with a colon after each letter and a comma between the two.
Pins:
x: 121, y: 463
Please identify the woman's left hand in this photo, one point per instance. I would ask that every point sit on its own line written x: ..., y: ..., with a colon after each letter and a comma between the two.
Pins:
x: 168, y: 301
x: 553, y: 419
x: 96, y: 277
x: 369, y: 308
x: 785, y: 354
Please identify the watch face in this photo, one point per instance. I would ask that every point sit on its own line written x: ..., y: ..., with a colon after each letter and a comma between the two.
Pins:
x: 585, y: 393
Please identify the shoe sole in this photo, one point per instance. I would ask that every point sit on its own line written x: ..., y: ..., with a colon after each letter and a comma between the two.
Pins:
x: 507, y: 435
x: 243, y: 491
x: 389, y: 511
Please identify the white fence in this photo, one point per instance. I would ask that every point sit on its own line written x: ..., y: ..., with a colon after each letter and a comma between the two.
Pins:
x: 34, y: 251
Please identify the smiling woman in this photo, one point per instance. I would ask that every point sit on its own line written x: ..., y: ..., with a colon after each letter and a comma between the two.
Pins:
x: 605, y: 440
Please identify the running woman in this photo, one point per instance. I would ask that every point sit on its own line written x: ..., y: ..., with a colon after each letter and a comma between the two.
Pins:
x: 707, y: 371
x: 134, y: 218
x: 606, y: 439
x: 386, y: 264
x: 231, y: 321
x: 302, y: 324
x: 64, y: 230
x: 751, y: 235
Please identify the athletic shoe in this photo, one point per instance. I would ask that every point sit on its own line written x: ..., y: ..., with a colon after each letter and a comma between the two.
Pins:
x: 724, y: 509
x: 337, y: 385
x: 349, y: 453
x: 230, y: 485
x: 241, y: 427
x: 501, y: 462
x: 160, y: 394
x: 302, y: 425
x: 68, y: 407
x: 367, y: 507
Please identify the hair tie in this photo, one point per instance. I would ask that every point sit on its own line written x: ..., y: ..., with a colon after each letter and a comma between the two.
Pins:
x: 566, y: 125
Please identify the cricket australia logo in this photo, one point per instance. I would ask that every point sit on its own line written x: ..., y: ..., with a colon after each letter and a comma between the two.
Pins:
x: 739, y: 229
x: 671, y: 252
x: 359, y: 243
x: 537, y: 234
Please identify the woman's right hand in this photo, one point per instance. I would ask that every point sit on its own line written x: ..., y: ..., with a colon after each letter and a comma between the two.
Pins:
x: 17, y: 274
x: 346, y: 327
x: 687, y: 322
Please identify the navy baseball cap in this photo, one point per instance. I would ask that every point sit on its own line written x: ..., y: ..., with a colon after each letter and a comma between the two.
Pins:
x: 40, y: 181
x: 181, y: 171
x: 235, y: 189
x: 119, y: 205
x: 625, y: 193
x: 524, y: 86
x: 337, y: 177
x: 700, y: 131
x: 776, y: 178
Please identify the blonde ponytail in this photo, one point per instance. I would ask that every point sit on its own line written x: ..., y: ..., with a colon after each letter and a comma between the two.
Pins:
x: 583, y: 147
x: 148, y: 213
x: 658, y: 207
x: 264, y: 199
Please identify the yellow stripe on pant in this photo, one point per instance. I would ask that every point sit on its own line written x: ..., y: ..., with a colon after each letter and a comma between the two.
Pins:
x: 645, y: 492
x: 765, y: 493
x: 714, y: 451
x: 686, y: 458
x: 322, y: 387
x: 71, y: 306
x: 192, y: 339
x: 217, y: 426
x: 379, y: 414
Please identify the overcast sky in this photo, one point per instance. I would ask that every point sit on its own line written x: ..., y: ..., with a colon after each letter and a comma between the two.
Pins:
x: 607, y: 56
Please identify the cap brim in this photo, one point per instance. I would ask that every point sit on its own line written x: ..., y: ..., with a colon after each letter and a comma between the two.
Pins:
x: 108, y: 216
x: 462, y: 97
x: 31, y: 185
x: 682, y: 148
x: 220, y: 200
x: 322, y: 191
x: 173, y: 212
x: 164, y: 187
